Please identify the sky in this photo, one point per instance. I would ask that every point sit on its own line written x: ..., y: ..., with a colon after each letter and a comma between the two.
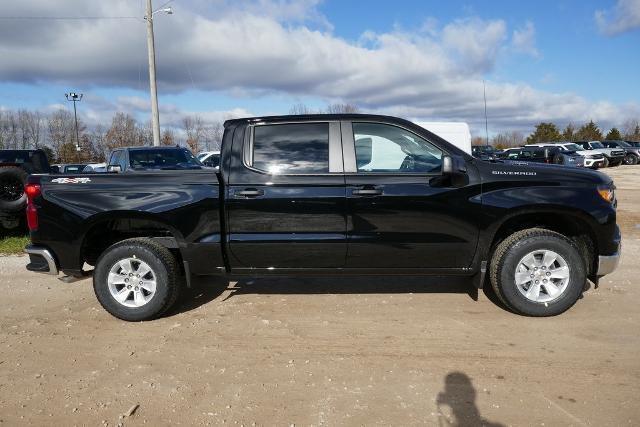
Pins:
x: 561, y: 61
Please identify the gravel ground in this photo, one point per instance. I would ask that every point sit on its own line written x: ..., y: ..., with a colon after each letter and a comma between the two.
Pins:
x: 399, y: 351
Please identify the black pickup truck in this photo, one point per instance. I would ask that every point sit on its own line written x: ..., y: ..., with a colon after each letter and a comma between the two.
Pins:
x: 329, y: 194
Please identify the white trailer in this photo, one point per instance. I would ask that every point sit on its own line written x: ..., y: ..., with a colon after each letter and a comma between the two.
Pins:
x: 457, y: 133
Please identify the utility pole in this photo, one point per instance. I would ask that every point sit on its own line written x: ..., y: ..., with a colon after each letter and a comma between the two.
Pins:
x: 486, y: 122
x: 74, y: 97
x: 155, y: 117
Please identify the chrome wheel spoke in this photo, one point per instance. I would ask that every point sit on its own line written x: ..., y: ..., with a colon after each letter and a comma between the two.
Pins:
x: 551, y: 289
x: 149, y: 286
x: 549, y: 258
x: 533, y: 292
x: 116, y: 279
x: 123, y: 295
x: 522, y: 277
x: 529, y: 261
x: 138, y: 298
x: 560, y: 273
x: 143, y: 270
x: 126, y: 266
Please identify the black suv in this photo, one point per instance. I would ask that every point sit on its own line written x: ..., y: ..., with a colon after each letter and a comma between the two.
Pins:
x: 132, y: 159
x: 15, y: 167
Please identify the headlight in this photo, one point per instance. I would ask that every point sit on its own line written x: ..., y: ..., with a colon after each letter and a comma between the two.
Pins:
x: 607, y: 193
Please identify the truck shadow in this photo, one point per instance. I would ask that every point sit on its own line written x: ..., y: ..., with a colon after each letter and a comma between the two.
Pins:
x: 456, y: 404
x: 208, y: 288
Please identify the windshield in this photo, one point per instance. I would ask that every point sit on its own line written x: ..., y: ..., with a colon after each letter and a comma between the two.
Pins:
x: 624, y: 144
x: 154, y: 158
x: 596, y: 145
x: 573, y: 147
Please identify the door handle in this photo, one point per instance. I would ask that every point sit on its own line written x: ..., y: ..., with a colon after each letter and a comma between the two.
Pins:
x: 249, y: 192
x: 367, y: 192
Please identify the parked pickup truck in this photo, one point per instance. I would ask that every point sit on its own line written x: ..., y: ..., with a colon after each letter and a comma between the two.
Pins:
x: 329, y: 194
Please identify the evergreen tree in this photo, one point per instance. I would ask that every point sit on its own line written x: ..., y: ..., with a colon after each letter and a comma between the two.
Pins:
x: 545, y: 132
x: 589, y: 132
x: 613, y: 135
x: 569, y: 133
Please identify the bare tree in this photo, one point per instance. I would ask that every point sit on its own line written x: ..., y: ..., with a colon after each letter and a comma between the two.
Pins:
x: 300, y: 109
x: 342, y: 109
x: 30, y: 125
x: 194, y: 128
x: 168, y: 137
x: 60, y: 127
x: 631, y: 129
x: 508, y: 140
x: 213, y: 136
x: 123, y: 132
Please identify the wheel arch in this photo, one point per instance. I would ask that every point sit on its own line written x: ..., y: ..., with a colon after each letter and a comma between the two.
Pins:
x: 572, y: 223
x: 106, y: 229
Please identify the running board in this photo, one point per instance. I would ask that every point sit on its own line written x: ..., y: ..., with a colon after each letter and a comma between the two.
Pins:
x: 73, y: 279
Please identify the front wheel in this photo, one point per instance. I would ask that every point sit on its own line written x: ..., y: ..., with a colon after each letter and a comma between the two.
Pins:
x: 630, y: 159
x: 538, y: 272
x: 136, y: 279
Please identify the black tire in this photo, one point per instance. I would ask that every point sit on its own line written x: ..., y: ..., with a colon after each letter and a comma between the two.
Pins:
x: 511, y: 250
x: 12, y: 196
x: 164, y: 266
x: 630, y: 159
x: 606, y: 163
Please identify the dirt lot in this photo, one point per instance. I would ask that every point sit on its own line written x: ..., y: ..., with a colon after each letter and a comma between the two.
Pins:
x: 324, y: 352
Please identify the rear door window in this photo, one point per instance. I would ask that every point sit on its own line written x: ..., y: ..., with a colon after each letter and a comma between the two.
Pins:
x: 299, y: 148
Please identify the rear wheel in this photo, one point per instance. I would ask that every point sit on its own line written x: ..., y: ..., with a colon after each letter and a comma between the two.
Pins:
x: 12, y: 197
x: 136, y: 279
x: 538, y: 272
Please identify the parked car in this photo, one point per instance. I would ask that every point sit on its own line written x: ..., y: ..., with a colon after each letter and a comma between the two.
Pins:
x: 634, y: 143
x: 136, y: 159
x: 72, y: 168
x: 550, y: 154
x: 614, y: 156
x: 210, y: 159
x: 484, y: 152
x: 329, y: 194
x: 15, y: 166
x: 632, y: 153
x: 589, y: 158
x: 508, y: 153
x: 95, y: 168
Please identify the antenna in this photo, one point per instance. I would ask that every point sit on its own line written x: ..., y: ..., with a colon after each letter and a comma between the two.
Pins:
x: 486, y: 123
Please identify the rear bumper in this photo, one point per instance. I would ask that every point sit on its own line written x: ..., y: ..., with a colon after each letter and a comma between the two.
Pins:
x: 41, y: 260
x: 609, y: 263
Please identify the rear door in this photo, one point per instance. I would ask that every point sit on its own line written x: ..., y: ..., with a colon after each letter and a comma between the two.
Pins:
x: 286, y: 197
x: 399, y: 213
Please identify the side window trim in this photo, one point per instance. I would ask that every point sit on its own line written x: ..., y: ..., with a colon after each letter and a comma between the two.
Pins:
x: 335, y: 148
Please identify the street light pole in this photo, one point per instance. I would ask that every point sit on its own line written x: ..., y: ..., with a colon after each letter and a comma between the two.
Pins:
x: 155, y: 117
x: 74, y: 97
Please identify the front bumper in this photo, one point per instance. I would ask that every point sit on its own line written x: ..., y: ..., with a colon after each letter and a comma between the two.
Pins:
x: 41, y: 260
x: 609, y: 263
x: 593, y: 163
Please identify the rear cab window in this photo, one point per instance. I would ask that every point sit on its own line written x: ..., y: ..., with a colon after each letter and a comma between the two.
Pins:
x: 292, y: 148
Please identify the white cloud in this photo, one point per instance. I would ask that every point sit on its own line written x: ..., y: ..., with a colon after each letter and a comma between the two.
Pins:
x: 625, y: 16
x: 524, y: 40
x: 432, y: 73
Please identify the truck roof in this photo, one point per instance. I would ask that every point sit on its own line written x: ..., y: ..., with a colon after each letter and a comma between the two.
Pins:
x: 311, y: 117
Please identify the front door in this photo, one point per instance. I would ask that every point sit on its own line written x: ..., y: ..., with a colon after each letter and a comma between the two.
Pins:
x: 286, y: 198
x: 399, y: 212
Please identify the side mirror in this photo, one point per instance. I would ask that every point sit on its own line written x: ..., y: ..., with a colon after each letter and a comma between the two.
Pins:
x: 114, y: 168
x: 453, y: 165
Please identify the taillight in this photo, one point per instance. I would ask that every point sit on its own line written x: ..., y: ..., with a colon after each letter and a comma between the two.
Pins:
x: 32, y: 191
